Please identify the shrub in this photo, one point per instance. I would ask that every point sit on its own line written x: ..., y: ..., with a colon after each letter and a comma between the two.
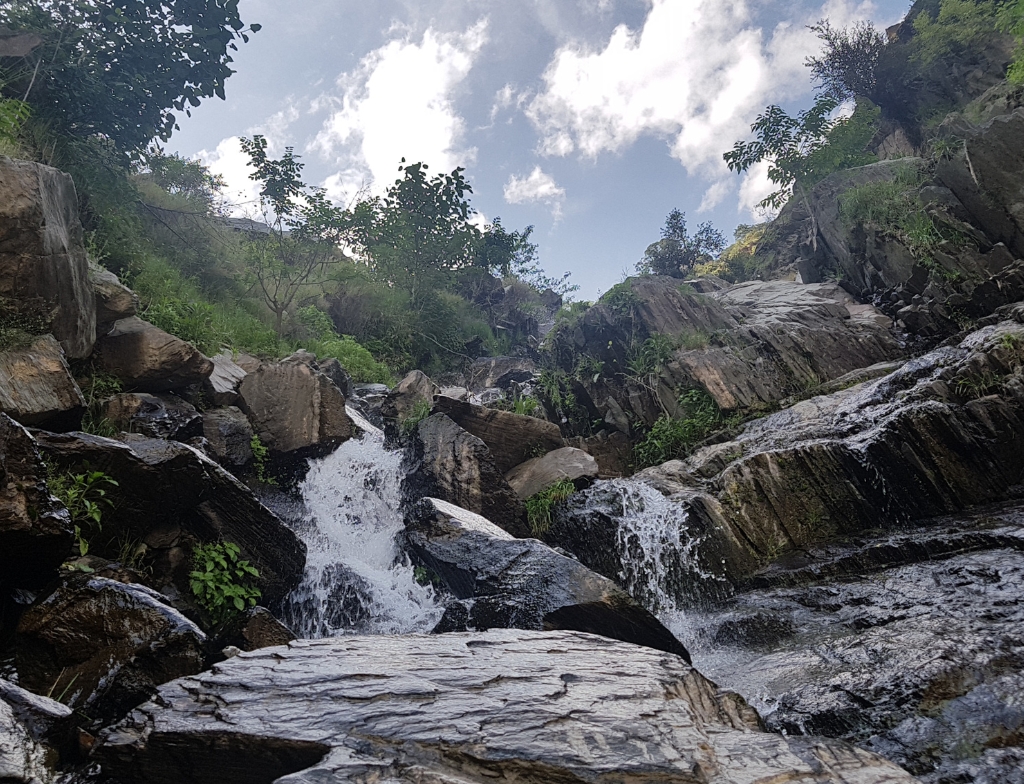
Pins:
x: 420, y: 411
x: 673, y: 438
x: 222, y: 583
x: 260, y: 461
x: 85, y: 496
x: 539, y: 506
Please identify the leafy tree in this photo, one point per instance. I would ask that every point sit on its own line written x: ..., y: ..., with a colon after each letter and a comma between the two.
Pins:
x: 847, y: 66
x: 304, y: 230
x: 678, y: 251
x: 805, y: 149
x: 117, y: 68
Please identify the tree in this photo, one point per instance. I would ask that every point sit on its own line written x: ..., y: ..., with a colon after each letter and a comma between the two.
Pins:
x: 847, y: 66
x: 803, y: 150
x: 304, y: 230
x: 116, y: 68
x: 677, y: 251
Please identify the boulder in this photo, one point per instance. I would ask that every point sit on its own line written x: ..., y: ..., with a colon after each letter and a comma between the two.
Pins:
x: 221, y: 387
x: 36, y: 386
x: 169, y: 495
x: 334, y: 370
x: 104, y: 646
x: 35, y: 529
x: 295, y: 409
x: 504, y: 582
x: 612, y: 450
x: 45, y: 719
x: 512, y: 439
x: 453, y: 465
x: 540, y: 473
x: 230, y: 436
x: 258, y: 628
x: 24, y: 757
x: 147, y: 359
x: 503, y: 705
x: 368, y: 400
x: 44, y: 275
x: 157, y: 416
x: 114, y: 300
x: 416, y: 389
x: 487, y: 372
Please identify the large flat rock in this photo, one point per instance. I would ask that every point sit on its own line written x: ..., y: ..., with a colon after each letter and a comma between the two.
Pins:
x: 147, y: 359
x: 530, y: 707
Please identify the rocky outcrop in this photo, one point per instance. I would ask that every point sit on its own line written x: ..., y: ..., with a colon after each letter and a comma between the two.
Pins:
x: 512, y: 439
x: 416, y: 389
x: 446, y: 708
x: 26, y: 720
x: 36, y: 386
x: 147, y: 359
x: 567, y: 463
x: 221, y: 387
x: 169, y: 495
x: 490, y: 372
x: 44, y: 275
x: 295, y: 409
x: 35, y: 530
x: 104, y: 646
x: 230, y: 436
x: 157, y: 416
x: 504, y: 582
x: 453, y: 465
x: 114, y: 301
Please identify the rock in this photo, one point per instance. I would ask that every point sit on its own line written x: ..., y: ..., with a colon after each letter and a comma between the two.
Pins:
x: 260, y: 629
x: 147, y: 359
x: 487, y: 372
x: 114, y: 301
x: 523, y: 584
x: 157, y: 416
x: 540, y: 473
x: 169, y: 494
x: 333, y: 369
x: 295, y: 409
x: 230, y: 436
x: 221, y: 387
x: 36, y: 386
x: 24, y: 759
x: 612, y: 451
x: 453, y: 465
x: 512, y: 439
x: 368, y: 399
x: 416, y: 389
x: 45, y: 719
x: 35, y: 530
x: 44, y: 275
x: 104, y: 646
x: 505, y: 705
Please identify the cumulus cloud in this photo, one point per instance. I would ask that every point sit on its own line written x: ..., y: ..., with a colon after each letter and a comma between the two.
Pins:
x: 536, y: 187
x: 696, y: 74
x: 399, y: 103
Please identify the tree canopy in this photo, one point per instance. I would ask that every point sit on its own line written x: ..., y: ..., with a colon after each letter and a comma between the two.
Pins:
x: 677, y: 251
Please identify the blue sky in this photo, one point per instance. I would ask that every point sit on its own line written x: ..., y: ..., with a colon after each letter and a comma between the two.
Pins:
x: 588, y: 119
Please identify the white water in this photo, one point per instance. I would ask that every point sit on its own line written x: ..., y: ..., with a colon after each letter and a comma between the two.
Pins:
x: 356, y: 579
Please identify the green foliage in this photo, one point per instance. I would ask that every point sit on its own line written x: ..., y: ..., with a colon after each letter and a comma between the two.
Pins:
x: 740, y: 261
x: 326, y: 343
x: 1011, y: 20
x: 85, y: 496
x: 677, y: 252
x: 674, y: 438
x: 18, y: 330
x: 622, y: 300
x: 846, y: 68
x: 13, y: 115
x: 261, y: 461
x: 525, y: 405
x: 805, y: 149
x: 652, y: 355
x: 419, y: 412
x: 96, y: 387
x: 223, y: 584
x: 116, y: 70
x: 959, y: 26
x: 539, y: 507
x: 555, y: 389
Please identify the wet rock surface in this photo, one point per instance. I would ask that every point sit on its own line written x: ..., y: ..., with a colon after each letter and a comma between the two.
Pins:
x: 533, y: 706
x: 36, y: 386
x: 230, y: 436
x: 157, y: 416
x: 565, y: 464
x: 147, y: 359
x: 504, y: 582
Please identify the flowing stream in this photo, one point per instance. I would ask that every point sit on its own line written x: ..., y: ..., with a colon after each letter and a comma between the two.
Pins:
x: 357, y: 581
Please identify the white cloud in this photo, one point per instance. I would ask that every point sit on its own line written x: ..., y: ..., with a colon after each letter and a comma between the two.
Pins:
x: 228, y: 161
x: 537, y: 187
x: 399, y: 103
x: 696, y: 75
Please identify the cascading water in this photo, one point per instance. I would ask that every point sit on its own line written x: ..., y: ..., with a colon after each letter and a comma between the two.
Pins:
x: 356, y: 579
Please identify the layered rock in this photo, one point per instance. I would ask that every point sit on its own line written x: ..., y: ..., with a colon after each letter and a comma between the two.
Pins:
x: 35, y: 529
x: 451, y: 712
x: 25, y: 755
x: 44, y: 275
x: 114, y: 301
x: 230, y: 436
x: 453, y: 465
x: 36, y: 386
x: 104, y: 646
x: 221, y: 387
x: 169, y: 494
x: 147, y: 359
x: 504, y: 582
x: 565, y: 464
x: 294, y: 408
x: 157, y: 416
x: 490, y: 372
x: 512, y: 439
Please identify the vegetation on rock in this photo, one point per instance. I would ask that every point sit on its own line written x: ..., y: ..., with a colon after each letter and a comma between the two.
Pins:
x: 222, y: 583
x: 539, y: 507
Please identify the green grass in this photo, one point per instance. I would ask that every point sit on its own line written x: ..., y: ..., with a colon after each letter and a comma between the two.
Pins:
x: 674, y: 438
x: 539, y: 507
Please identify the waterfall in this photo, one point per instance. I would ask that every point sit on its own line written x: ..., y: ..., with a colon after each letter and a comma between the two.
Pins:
x: 356, y: 578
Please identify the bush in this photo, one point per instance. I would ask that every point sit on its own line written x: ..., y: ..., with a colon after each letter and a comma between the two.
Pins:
x: 539, y: 506
x: 674, y: 438
x: 420, y: 411
x: 222, y: 583
x: 85, y: 496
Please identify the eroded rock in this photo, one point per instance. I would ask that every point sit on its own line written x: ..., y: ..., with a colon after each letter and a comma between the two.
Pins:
x: 466, y: 708
x: 147, y: 359
x: 221, y: 387
x: 36, y: 386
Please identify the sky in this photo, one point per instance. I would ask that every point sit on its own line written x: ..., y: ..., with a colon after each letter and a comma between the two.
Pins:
x: 587, y: 119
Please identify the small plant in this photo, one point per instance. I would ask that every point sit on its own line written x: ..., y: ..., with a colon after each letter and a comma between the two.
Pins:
x: 85, y: 496
x: 539, y: 506
x: 261, y: 461
x: 673, y: 438
x: 525, y: 405
x: 222, y: 583
x: 419, y: 412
